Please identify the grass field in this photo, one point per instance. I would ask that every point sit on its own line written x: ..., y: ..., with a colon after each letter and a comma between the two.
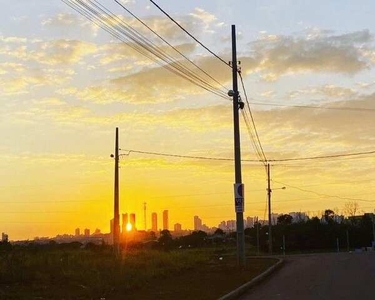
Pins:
x: 142, y: 274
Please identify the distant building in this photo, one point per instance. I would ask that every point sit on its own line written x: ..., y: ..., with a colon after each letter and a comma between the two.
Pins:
x: 97, y: 231
x: 154, y: 222
x: 87, y: 232
x: 165, y: 220
x: 177, y: 227
x: 110, y: 237
x: 274, y: 219
x: 77, y: 232
x: 231, y: 225
x: 4, y: 238
x: 111, y: 226
x: 249, y: 222
x: 298, y: 217
x: 124, y: 222
x: 223, y: 225
x: 197, y: 223
x: 132, y: 221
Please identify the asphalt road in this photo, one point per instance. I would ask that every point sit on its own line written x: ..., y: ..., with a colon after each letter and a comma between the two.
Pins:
x: 320, y: 276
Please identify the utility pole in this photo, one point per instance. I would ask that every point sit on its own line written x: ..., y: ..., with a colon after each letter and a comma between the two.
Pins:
x: 116, y: 218
x: 373, y: 230
x: 144, y: 214
x: 238, y: 186
x: 269, y: 191
x: 284, y: 244
x: 258, y: 236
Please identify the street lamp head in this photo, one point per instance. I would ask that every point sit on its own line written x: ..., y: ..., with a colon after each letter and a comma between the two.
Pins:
x: 283, y: 188
x: 112, y: 156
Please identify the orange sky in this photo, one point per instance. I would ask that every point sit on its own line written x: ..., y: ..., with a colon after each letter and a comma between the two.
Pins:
x: 65, y: 85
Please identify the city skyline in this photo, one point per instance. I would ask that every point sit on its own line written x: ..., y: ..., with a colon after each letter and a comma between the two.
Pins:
x: 65, y: 85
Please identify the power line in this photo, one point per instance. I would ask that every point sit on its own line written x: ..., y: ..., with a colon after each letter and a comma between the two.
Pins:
x: 323, y: 156
x: 252, y: 119
x: 183, y: 156
x: 246, y: 160
x: 324, y: 195
x: 104, y: 18
x: 316, y: 107
x: 169, y: 44
x: 189, y: 34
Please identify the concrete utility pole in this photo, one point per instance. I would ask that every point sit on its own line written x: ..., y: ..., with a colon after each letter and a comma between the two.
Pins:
x: 116, y: 218
x: 269, y: 191
x: 238, y: 186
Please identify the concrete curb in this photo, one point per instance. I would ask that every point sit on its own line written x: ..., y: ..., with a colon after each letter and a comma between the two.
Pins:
x: 243, y: 288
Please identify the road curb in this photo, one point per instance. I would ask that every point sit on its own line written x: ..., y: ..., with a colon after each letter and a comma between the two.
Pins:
x: 243, y: 288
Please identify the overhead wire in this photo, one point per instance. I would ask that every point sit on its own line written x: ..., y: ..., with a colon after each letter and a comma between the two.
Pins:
x: 359, y: 109
x: 252, y: 119
x: 324, y: 195
x: 345, y: 155
x: 104, y: 18
x: 170, y: 45
x: 189, y: 34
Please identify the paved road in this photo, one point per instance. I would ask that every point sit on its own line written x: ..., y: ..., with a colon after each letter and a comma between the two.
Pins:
x: 320, y: 276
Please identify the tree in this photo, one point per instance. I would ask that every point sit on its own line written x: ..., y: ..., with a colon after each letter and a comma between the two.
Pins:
x: 165, y: 237
x: 284, y: 219
x: 329, y: 215
x: 351, y: 209
x: 219, y: 232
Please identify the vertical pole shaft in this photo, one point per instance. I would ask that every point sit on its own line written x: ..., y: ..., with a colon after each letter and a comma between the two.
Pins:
x: 337, y: 244
x: 237, y: 151
x: 116, y: 218
x: 269, y: 191
x: 283, y: 244
x: 373, y: 230
x: 258, y: 236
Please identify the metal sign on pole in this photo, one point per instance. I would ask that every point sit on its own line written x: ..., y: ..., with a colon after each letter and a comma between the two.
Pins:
x: 239, y: 201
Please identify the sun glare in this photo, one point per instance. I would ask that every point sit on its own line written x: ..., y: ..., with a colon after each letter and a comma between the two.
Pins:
x: 129, y: 227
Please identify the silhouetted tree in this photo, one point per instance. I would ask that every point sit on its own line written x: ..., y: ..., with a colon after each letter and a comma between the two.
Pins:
x: 165, y: 238
x: 284, y: 219
x: 328, y: 215
x: 219, y: 231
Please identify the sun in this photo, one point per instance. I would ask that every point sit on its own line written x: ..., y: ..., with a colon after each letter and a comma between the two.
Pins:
x: 129, y: 227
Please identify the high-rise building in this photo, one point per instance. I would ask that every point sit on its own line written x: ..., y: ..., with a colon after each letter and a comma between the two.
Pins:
x: 124, y: 222
x: 77, y: 232
x: 4, y: 237
x: 154, y: 222
x: 165, y: 220
x: 111, y: 226
x: 87, y: 232
x: 197, y: 223
x: 132, y: 221
x: 249, y: 222
x: 177, y: 227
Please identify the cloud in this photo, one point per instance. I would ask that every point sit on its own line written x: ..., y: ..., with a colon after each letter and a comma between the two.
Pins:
x: 328, y: 90
x: 280, y: 55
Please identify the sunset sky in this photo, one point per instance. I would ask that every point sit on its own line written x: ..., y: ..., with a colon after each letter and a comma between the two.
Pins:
x: 65, y: 85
